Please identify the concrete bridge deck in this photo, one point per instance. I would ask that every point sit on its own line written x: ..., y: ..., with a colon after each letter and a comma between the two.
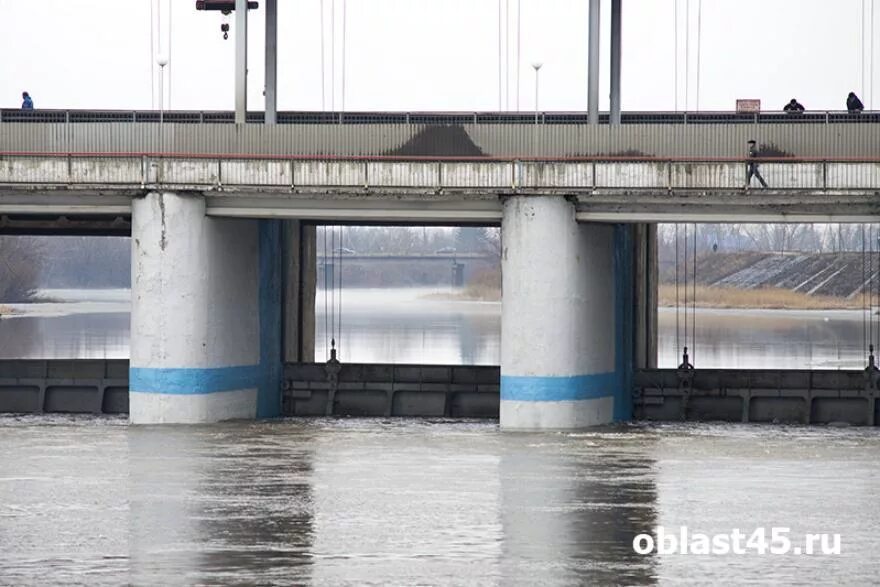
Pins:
x: 414, y: 189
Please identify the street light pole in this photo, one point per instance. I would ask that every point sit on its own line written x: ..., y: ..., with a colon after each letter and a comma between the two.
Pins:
x: 162, y: 61
x: 537, y: 65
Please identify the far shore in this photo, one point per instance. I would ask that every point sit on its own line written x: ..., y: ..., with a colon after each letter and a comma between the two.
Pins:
x: 706, y: 297
x: 760, y: 299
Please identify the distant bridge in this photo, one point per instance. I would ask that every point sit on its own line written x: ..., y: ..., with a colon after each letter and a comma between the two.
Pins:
x: 379, y: 257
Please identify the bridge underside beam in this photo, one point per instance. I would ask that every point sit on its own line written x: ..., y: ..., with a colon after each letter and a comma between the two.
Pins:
x: 65, y: 225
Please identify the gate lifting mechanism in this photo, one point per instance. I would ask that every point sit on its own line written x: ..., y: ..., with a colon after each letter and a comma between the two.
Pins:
x: 225, y: 7
x: 682, y: 300
x: 333, y: 273
x: 870, y: 277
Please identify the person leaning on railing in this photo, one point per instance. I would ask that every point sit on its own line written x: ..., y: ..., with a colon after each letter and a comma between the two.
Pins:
x: 853, y: 104
x: 26, y: 103
x: 794, y: 107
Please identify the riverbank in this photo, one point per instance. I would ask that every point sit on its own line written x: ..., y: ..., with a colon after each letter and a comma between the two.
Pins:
x: 471, y: 293
x: 762, y: 298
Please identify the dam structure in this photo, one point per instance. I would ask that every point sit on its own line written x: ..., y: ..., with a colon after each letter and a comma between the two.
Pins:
x: 222, y: 219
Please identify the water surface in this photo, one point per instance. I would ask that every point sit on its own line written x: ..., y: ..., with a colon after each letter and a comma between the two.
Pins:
x: 331, y: 502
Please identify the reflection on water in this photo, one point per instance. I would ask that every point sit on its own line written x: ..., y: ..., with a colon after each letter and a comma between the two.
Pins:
x: 766, y: 339
x: 68, y: 324
x: 429, y: 326
x: 413, y: 325
x: 415, y: 502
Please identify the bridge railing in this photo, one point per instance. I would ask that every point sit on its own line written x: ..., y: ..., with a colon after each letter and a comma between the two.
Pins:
x: 422, y: 137
x: 429, y: 175
x: 435, y: 118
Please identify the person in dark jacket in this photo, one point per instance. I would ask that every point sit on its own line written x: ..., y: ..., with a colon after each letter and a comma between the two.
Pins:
x: 794, y: 107
x: 752, y: 166
x: 853, y: 104
x: 26, y: 102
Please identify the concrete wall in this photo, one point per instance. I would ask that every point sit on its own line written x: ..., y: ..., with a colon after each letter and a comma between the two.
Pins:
x: 566, y: 317
x: 206, y: 313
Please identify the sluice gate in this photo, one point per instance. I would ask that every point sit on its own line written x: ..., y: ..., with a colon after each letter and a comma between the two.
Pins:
x: 771, y: 396
x: 445, y: 391
x: 337, y: 389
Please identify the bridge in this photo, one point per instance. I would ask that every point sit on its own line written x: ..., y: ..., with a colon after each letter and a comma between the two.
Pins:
x: 222, y: 218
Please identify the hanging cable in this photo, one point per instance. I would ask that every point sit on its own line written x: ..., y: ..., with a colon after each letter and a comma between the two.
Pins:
x: 333, y: 250
x: 677, y: 297
x: 152, y: 54
x: 687, y: 54
x: 871, y: 59
x: 341, y: 251
x: 506, y: 54
x: 862, y: 52
x: 694, y: 301
x: 699, y: 47
x: 343, y: 54
x: 333, y: 55
x: 877, y: 283
x: 500, y: 52
x: 685, y: 287
x: 170, y: 58
x: 864, y: 297
x: 323, y: 71
x: 518, y: 44
x: 326, y: 294
x: 675, y: 50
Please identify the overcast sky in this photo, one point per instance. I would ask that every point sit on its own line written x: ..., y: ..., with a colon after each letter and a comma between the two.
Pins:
x: 440, y: 54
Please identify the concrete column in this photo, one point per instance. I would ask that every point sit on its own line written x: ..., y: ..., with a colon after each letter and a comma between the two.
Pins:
x: 566, y: 318
x: 593, y: 65
x: 271, y: 61
x: 308, y: 290
x: 615, y: 60
x: 205, y: 316
x: 299, y: 292
x: 241, y: 19
x: 645, y: 295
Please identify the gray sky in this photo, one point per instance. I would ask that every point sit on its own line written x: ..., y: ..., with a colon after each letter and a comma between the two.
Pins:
x: 439, y: 54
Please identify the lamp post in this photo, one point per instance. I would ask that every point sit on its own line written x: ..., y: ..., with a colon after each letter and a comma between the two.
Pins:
x: 161, y: 61
x: 537, y: 65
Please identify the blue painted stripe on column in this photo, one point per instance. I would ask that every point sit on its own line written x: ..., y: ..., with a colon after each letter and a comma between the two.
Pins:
x: 270, y: 258
x: 192, y: 381
x: 557, y: 389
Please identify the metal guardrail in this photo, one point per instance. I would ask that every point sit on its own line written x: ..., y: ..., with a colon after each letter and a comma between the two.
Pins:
x: 434, y: 118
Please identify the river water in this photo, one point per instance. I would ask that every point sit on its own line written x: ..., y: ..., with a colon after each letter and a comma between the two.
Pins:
x: 407, y: 502
x: 420, y: 325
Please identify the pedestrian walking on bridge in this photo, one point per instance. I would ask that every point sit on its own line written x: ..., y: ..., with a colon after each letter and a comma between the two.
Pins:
x: 26, y: 102
x: 752, y: 166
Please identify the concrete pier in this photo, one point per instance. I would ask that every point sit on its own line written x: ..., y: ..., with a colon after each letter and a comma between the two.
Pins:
x: 565, y: 342
x: 206, y: 313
